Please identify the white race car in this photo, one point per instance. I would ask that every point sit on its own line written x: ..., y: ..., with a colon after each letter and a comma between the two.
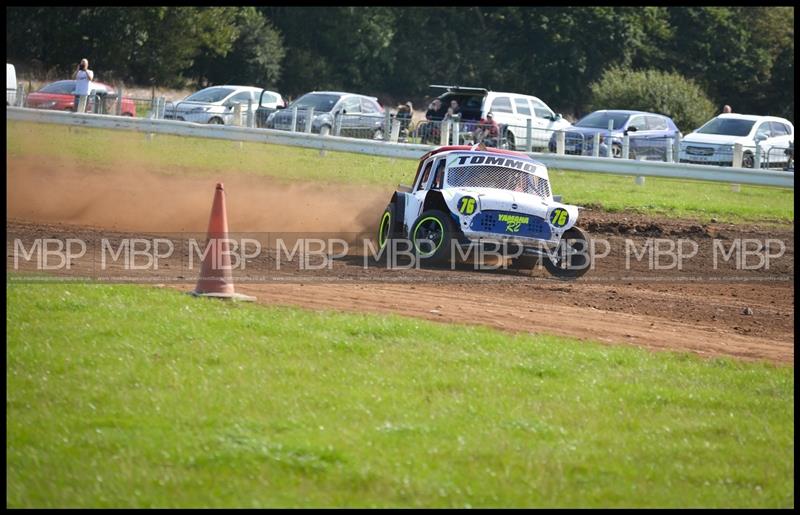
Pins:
x: 471, y: 197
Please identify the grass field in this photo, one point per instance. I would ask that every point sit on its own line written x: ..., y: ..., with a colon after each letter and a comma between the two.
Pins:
x: 685, y: 199
x: 134, y: 396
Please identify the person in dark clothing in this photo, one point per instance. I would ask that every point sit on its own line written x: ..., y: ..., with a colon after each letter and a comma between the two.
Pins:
x: 434, y: 115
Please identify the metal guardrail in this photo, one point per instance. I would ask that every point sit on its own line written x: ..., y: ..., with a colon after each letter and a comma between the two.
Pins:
x: 400, y: 150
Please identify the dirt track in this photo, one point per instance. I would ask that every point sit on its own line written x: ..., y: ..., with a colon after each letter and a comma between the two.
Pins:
x: 696, y: 309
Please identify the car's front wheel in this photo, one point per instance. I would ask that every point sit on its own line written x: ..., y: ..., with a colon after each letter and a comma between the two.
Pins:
x: 431, y: 236
x: 571, y: 259
x: 377, y: 134
x: 748, y: 161
x: 616, y: 150
x: 325, y: 130
x: 215, y: 121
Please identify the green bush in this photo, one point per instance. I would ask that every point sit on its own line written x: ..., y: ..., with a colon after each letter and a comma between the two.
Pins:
x: 670, y: 94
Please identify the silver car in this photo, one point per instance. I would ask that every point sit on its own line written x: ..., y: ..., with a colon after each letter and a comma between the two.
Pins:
x: 215, y: 104
x: 350, y: 114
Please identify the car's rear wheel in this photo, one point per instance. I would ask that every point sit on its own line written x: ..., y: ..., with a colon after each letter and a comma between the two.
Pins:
x: 215, y: 121
x: 378, y: 134
x: 325, y: 130
x: 616, y: 150
x: 571, y: 259
x: 431, y: 236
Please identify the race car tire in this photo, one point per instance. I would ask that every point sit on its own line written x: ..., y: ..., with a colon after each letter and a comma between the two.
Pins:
x: 387, y: 226
x: 431, y: 236
x: 569, y: 266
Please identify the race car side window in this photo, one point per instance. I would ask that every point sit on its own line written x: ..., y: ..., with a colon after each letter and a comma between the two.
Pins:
x: 438, y: 177
x: 423, y: 182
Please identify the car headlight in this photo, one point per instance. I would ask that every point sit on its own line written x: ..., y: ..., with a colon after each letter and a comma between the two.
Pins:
x: 49, y: 104
x: 199, y: 110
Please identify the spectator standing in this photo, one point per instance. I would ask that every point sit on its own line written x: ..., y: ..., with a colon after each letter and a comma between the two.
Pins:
x: 404, y: 114
x: 83, y: 81
x: 726, y: 109
x: 454, y: 111
x: 434, y: 116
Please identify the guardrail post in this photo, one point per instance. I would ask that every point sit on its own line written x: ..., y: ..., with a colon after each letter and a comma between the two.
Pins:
x: 444, y: 132
x: 738, y: 152
x: 249, y: 113
x: 20, y: 100
x: 529, y: 135
x: 757, y: 157
x: 237, y: 114
x: 640, y: 180
x: 561, y: 138
x: 153, y: 108
x: 395, y: 134
x: 456, y: 132
x: 676, y: 148
x: 337, y: 124
x: 118, y: 108
x: 293, y: 128
x: 309, y: 119
x: 596, y: 147
x: 387, y: 125
x: 669, y: 150
x: 626, y: 147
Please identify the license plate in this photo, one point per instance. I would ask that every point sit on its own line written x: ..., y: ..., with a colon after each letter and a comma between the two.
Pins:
x: 570, y: 148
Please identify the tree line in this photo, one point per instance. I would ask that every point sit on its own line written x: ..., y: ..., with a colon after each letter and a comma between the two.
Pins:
x: 739, y: 55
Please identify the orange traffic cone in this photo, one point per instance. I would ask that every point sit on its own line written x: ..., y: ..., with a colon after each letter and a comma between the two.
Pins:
x: 216, y: 277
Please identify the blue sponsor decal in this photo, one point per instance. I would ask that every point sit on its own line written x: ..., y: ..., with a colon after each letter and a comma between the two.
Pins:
x: 511, y: 224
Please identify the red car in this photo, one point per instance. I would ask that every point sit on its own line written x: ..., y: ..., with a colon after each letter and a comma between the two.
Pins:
x: 60, y: 96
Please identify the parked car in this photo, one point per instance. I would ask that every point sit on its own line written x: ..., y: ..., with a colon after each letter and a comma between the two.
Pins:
x: 511, y: 110
x: 214, y: 104
x: 11, y: 85
x: 268, y: 103
x: 649, y: 134
x: 713, y: 143
x: 60, y: 96
x: 359, y: 115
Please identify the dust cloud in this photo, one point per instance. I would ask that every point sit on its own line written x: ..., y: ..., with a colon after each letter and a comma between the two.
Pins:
x: 132, y: 198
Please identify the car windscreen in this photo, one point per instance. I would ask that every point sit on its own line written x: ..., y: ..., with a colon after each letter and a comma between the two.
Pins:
x: 321, y: 102
x: 599, y: 120
x: 727, y: 127
x: 500, y: 177
x: 64, y: 87
x: 210, y: 95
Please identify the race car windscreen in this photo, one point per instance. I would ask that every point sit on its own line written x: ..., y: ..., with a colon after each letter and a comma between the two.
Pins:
x: 499, y: 177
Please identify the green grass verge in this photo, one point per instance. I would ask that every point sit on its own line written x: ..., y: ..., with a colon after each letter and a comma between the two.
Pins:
x: 675, y: 198
x: 133, y: 396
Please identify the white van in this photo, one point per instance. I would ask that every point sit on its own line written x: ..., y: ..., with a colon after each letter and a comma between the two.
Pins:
x: 11, y: 85
x: 510, y: 109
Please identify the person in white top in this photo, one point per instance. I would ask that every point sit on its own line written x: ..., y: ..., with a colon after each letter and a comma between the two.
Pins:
x: 83, y: 80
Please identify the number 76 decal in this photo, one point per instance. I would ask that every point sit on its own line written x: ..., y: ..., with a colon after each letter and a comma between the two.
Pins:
x: 466, y: 205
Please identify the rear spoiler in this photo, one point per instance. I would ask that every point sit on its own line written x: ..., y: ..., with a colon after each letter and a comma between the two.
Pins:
x: 460, y: 89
